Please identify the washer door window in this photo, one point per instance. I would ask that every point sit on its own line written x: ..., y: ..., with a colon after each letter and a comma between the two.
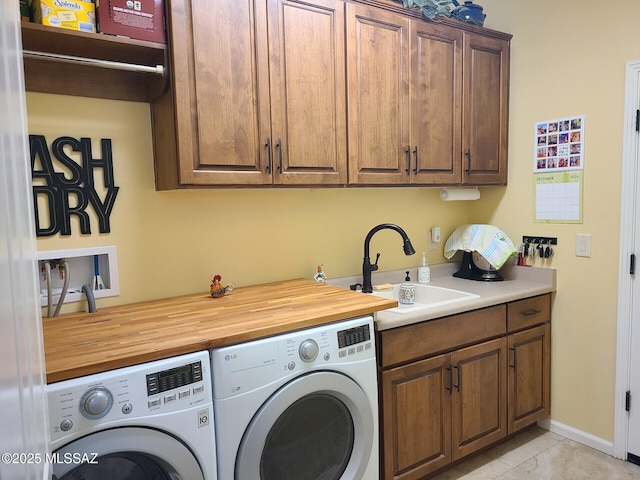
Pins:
x: 316, y: 427
x: 127, y: 453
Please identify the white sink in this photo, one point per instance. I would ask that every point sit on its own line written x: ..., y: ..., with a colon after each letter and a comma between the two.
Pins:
x: 427, y: 296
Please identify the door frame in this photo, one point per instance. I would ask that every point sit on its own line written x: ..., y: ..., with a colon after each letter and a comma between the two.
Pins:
x: 23, y: 388
x: 629, y: 192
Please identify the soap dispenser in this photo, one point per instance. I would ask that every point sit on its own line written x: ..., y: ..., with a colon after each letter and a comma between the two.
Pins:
x: 407, y: 294
x: 424, y: 271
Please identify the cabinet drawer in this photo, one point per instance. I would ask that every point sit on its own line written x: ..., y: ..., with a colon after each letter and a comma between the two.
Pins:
x: 423, y: 339
x: 528, y: 312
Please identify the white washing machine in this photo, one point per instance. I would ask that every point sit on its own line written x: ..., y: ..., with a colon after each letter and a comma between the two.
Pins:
x: 299, y: 406
x: 149, y: 421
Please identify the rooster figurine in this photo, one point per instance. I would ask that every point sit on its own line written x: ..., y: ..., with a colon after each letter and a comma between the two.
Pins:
x: 216, y: 289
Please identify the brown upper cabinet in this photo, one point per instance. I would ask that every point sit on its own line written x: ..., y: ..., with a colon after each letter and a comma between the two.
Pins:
x: 257, y: 95
x: 485, y: 118
x: 378, y: 95
x: 321, y: 92
x: 427, y: 102
x: 404, y: 90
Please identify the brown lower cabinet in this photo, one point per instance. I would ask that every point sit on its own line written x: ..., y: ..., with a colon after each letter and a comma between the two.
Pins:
x: 529, y: 368
x: 455, y: 385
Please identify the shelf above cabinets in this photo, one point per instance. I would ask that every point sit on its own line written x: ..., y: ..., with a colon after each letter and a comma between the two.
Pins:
x: 46, y: 75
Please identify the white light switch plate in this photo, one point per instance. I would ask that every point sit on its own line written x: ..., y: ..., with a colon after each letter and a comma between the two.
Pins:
x: 583, y: 245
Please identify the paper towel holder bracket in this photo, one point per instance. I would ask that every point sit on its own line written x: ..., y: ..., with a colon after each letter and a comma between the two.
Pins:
x: 448, y: 194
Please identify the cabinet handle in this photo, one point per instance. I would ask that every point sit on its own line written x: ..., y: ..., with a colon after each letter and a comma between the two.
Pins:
x: 468, y: 155
x: 279, y: 147
x: 513, y: 365
x: 415, y: 153
x: 450, y: 385
x: 408, y: 152
x: 530, y: 313
x: 457, y: 385
x: 268, y: 145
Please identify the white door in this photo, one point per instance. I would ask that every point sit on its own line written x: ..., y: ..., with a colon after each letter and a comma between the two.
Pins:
x: 633, y: 447
x: 22, y: 396
x: 628, y: 368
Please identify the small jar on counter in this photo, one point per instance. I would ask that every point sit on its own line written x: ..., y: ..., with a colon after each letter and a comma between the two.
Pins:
x: 407, y: 294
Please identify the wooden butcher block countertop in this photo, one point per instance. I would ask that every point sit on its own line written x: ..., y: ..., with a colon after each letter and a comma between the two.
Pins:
x: 81, y: 344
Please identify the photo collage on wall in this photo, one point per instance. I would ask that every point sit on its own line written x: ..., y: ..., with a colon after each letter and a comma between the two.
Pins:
x: 559, y: 145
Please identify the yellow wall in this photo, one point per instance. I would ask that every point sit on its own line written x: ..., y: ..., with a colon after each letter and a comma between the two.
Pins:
x: 568, y: 58
x: 172, y: 243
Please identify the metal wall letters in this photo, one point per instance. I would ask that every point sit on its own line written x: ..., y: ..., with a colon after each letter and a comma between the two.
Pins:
x: 73, y: 187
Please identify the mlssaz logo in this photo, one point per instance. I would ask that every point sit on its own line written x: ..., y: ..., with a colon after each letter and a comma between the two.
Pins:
x: 80, y: 181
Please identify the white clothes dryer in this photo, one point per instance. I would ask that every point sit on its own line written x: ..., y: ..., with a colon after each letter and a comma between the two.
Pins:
x: 298, y: 406
x: 149, y: 421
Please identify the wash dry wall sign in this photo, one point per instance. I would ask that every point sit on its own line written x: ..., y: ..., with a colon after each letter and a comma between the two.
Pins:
x: 68, y: 181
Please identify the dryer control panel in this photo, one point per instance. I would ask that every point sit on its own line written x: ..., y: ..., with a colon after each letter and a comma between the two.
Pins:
x: 244, y: 367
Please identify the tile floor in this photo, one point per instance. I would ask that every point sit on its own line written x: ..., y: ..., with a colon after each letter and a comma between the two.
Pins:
x: 537, y: 454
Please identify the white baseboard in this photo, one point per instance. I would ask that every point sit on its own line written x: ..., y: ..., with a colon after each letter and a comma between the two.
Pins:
x: 576, y: 435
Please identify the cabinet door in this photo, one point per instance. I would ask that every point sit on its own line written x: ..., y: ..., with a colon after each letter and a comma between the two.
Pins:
x: 308, y: 105
x: 220, y: 94
x: 377, y: 96
x: 485, y: 110
x: 416, y: 429
x: 478, y: 416
x: 529, y: 372
x: 436, y: 95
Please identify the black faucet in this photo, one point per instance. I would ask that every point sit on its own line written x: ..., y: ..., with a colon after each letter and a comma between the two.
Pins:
x: 367, y: 268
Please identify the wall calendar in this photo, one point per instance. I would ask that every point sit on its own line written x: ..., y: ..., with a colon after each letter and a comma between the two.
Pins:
x: 558, y: 169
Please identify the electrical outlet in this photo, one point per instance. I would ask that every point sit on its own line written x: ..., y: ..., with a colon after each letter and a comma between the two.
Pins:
x: 434, y: 239
x: 435, y: 234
